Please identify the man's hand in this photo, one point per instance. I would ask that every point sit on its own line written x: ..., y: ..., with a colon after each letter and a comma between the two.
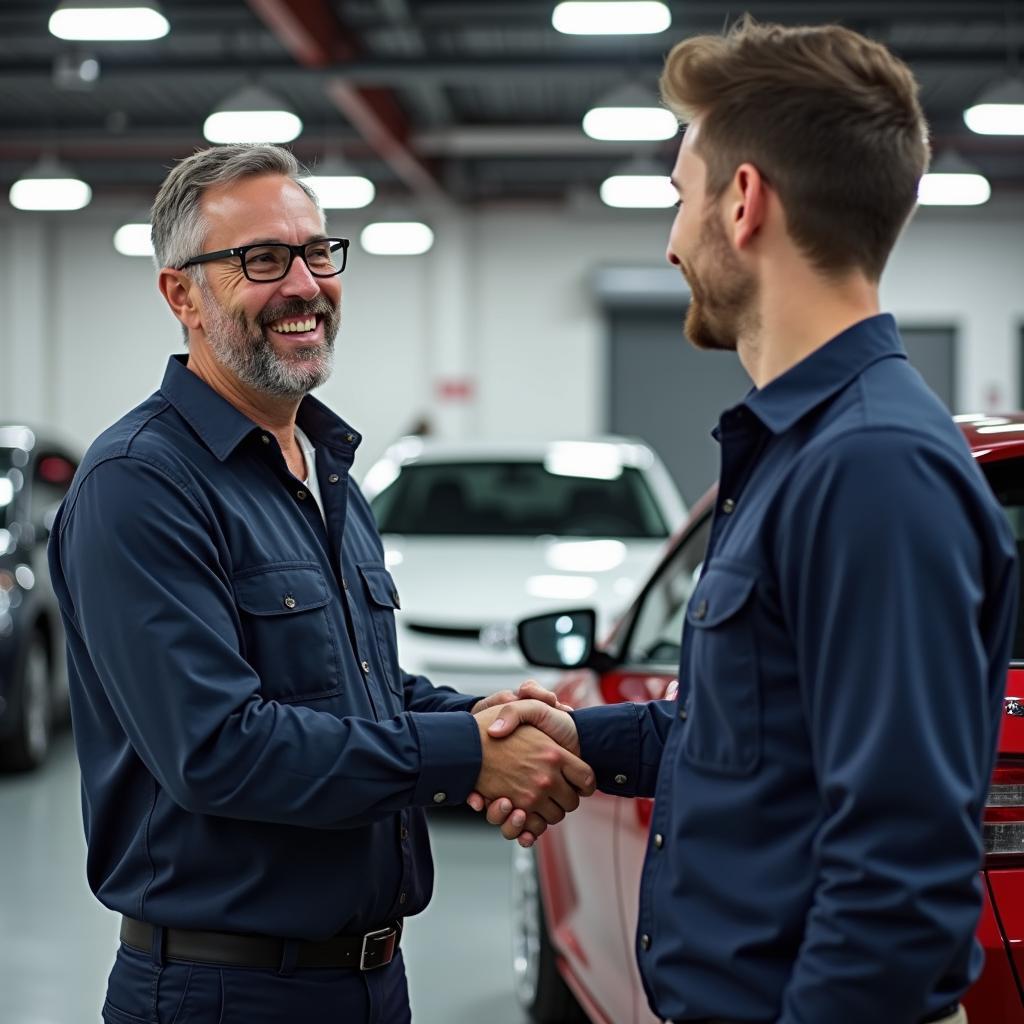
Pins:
x: 533, y: 771
x: 515, y: 819
x: 530, y: 690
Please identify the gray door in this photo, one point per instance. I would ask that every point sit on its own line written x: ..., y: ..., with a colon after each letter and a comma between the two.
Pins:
x: 665, y: 391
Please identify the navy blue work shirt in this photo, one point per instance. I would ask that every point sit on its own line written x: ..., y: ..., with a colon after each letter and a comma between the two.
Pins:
x: 819, y: 784
x: 253, y: 758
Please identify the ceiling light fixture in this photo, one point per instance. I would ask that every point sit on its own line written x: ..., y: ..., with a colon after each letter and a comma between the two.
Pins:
x: 252, y: 114
x: 338, y: 187
x: 134, y: 240
x: 604, y: 18
x: 49, y: 185
x: 639, y: 184
x: 629, y: 114
x: 953, y: 181
x: 999, y: 110
x: 396, y: 238
x: 108, y: 20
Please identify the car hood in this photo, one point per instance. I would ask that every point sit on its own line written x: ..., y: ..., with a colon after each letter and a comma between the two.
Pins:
x: 470, y: 582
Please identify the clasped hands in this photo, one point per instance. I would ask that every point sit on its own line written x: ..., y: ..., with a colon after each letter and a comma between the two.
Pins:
x: 531, y: 775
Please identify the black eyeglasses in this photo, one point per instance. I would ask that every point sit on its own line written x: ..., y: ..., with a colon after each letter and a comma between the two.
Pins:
x: 270, y: 261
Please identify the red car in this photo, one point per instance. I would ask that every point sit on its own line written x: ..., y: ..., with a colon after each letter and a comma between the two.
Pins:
x: 575, y: 894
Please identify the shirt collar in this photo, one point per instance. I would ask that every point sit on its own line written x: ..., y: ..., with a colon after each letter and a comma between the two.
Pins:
x: 222, y: 427
x: 781, y: 403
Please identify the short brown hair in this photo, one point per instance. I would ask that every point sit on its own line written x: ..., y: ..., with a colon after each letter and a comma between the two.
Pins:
x: 830, y: 118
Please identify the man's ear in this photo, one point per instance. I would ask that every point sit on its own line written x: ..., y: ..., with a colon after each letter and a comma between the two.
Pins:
x: 179, y: 292
x: 748, y: 204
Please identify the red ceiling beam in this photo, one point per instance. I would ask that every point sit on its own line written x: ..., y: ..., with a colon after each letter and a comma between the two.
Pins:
x: 313, y: 35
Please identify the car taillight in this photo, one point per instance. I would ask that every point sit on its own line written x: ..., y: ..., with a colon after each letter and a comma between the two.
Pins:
x: 1003, y: 822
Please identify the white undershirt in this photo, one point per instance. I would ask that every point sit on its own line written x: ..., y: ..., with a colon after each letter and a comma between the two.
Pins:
x: 311, y: 481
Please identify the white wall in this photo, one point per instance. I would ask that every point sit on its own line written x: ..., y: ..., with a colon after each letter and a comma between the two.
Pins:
x: 503, y: 299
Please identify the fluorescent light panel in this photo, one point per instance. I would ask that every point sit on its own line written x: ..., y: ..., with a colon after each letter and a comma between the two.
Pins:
x: 342, y: 191
x: 134, y: 240
x: 227, y: 126
x: 635, y: 124
x: 396, y: 238
x: 601, y: 19
x: 50, y: 194
x: 953, y: 190
x: 638, y: 191
x: 115, y: 24
x: 995, y: 118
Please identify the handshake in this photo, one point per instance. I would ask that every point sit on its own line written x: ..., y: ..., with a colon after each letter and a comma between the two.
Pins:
x: 531, y: 775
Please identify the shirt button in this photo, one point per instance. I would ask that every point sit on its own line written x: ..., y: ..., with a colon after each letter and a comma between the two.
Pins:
x: 265, y: 438
x: 728, y: 506
x: 683, y: 713
x: 301, y: 495
x: 403, y: 897
x: 701, y: 610
x: 645, y: 942
x: 439, y: 798
x: 350, y: 438
x: 289, y: 601
x: 404, y: 833
x: 344, y: 582
x: 333, y: 478
x: 365, y: 666
x: 620, y: 780
x: 659, y: 841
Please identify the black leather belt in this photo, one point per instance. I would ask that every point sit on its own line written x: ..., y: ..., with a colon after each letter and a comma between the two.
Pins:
x: 226, y: 949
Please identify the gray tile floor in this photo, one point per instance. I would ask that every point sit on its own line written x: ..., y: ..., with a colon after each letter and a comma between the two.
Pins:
x: 56, y: 941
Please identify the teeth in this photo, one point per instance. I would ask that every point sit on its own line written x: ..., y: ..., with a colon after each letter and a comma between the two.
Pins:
x: 294, y: 327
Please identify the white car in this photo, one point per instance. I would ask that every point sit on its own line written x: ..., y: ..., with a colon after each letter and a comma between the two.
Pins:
x: 481, y: 534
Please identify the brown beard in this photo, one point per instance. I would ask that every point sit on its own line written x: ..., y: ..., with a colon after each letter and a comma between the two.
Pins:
x: 721, y: 295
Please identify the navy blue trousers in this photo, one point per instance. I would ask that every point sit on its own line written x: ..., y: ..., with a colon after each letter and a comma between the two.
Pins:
x: 141, y: 990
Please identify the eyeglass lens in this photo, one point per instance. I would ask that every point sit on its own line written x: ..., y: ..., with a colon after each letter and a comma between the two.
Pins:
x: 269, y: 262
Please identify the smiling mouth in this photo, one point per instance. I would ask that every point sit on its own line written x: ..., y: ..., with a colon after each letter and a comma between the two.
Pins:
x: 295, y: 324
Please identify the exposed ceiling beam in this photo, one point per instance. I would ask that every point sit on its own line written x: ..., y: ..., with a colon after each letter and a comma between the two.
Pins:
x: 312, y: 34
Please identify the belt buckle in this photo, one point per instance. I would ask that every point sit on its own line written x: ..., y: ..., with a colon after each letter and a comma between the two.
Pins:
x: 378, y: 948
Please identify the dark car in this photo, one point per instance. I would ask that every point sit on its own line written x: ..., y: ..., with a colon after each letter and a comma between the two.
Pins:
x: 35, y: 472
x: 576, y: 892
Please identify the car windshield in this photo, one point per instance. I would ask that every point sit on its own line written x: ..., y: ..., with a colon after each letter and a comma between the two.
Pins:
x: 516, y: 499
x: 1006, y: 478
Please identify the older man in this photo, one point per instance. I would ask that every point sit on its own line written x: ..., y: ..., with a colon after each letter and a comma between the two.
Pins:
x: 254, y: 761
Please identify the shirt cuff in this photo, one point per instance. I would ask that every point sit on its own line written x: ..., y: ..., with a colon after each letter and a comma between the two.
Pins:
x: 610, y: 744
x: 450, y: 756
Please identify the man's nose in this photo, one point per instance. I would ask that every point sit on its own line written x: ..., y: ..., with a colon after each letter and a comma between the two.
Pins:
x: 299, y: 281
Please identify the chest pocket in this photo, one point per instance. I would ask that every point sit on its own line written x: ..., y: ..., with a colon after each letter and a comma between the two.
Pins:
x: 287, y: 631
x: 723, y: 727
x: 383, y: 602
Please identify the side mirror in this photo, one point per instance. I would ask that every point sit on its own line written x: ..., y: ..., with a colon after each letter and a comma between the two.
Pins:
x: 561, y: 640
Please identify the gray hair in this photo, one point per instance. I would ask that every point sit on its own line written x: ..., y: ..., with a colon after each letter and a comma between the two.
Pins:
x: 178, y: 225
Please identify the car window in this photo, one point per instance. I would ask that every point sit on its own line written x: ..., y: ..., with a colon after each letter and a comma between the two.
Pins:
x: 1006, y: 478
x: 516, y: 499
x: 658, y: 627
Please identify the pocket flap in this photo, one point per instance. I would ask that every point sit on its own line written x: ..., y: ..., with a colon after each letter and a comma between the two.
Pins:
x: 381, y: 585
x: 281, y: 590
x: 720, y: 594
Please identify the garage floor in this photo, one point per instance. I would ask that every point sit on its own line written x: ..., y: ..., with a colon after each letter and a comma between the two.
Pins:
x: 57, y: 942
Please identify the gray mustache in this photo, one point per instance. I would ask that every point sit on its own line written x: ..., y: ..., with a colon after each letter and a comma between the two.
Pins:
x: 318, y: 307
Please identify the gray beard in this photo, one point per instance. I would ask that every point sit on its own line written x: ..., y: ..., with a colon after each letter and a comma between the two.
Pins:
x: 244, y: 349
